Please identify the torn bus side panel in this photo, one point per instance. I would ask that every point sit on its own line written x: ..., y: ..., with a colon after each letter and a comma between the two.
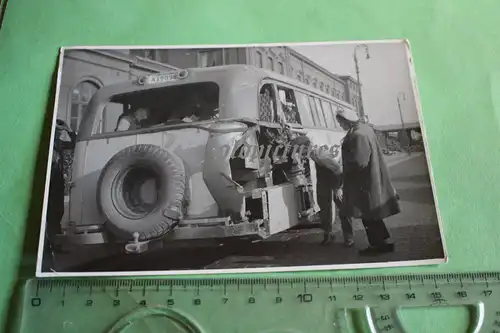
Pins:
x: 217, y: 172
x: 245, y: 164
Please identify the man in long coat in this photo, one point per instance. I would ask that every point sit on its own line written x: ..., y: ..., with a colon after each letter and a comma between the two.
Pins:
x: 368, y: 192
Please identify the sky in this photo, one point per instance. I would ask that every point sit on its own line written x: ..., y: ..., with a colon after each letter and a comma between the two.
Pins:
x: 383, y: 77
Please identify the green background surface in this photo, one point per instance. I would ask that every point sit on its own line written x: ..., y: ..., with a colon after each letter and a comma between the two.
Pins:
x: 456, y: 49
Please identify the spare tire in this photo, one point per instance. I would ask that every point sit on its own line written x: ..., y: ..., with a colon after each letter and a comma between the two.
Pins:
x: 141, y: 190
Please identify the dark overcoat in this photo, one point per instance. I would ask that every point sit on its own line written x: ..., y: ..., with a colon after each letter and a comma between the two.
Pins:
x: 368, y: 191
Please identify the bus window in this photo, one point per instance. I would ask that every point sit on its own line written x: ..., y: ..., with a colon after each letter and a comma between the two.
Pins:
x: 327, y: 111
x: 304, y: 109
x: 267, y: 103
x: 321, y: 117
x: 111, y: 113
x: 160, y: 106
x: 314, y: 112
x: 334, y: 114
x: 288, y: 105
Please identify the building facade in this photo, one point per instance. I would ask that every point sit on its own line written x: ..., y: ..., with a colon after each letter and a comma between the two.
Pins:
x: 85, y: 71
x: 280, y: 59
x: 352, y: 91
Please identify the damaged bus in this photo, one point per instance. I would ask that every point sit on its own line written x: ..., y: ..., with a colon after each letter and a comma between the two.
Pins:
x: 197, y: 153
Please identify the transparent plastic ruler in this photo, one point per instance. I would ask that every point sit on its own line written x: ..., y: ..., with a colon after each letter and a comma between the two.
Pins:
x: 251, y: 305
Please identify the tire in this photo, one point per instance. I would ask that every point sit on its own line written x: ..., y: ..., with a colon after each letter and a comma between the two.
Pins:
x: 120, y: 189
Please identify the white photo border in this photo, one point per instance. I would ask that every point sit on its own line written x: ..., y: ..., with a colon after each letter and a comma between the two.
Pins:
x: 308, y: 268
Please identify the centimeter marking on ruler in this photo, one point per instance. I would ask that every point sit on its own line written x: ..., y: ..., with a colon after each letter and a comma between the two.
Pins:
x: 185, y: 283
x: 378, y: 296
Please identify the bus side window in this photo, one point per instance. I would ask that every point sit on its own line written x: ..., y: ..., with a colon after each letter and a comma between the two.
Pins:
x: 267, y: 103
x: 314, y: 112
x: 108, y: 117
x: 289, y: 105
x: 321, y: 116
x: 330, y: 123
x: 304, y: 109
x: 333, y: 110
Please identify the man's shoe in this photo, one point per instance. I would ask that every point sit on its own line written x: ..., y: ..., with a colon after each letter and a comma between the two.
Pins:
x: 349, y: 242
x: 327, y: 239
x: 379, y: 249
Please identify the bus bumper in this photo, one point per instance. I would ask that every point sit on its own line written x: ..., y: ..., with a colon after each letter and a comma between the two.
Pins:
x: 279, y: 210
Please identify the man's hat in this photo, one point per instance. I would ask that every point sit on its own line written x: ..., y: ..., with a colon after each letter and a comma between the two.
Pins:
x: 348, y: 115
x: 301, y: 140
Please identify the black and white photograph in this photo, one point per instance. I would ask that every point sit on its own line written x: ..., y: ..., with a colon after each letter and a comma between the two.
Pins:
x: 236, y: 159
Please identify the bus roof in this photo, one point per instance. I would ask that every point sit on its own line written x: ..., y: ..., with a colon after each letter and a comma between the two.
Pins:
x: 243, y: 74
x: 238, y: 86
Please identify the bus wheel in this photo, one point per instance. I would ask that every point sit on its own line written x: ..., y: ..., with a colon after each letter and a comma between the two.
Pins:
x: 141, y: 190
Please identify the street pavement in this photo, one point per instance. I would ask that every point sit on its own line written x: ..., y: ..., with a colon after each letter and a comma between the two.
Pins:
x: 415, y: 232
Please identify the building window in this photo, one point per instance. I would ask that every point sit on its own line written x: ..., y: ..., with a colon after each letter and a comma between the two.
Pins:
x: 80, y: 98
x: 210, y: 58
x: 321, y: 86
x: 327, y: 89
x: 270, y: 63
x: 281, y: 68
x: 299, y: 78
x: 202, y: 59
x: 227, y: 57
x: 146, y: 53
x: 162, y: 56
x: 259, y: 60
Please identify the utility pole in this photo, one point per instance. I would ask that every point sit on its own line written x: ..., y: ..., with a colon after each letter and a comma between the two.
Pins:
x: 365, y: 47
x: 401, y: 95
